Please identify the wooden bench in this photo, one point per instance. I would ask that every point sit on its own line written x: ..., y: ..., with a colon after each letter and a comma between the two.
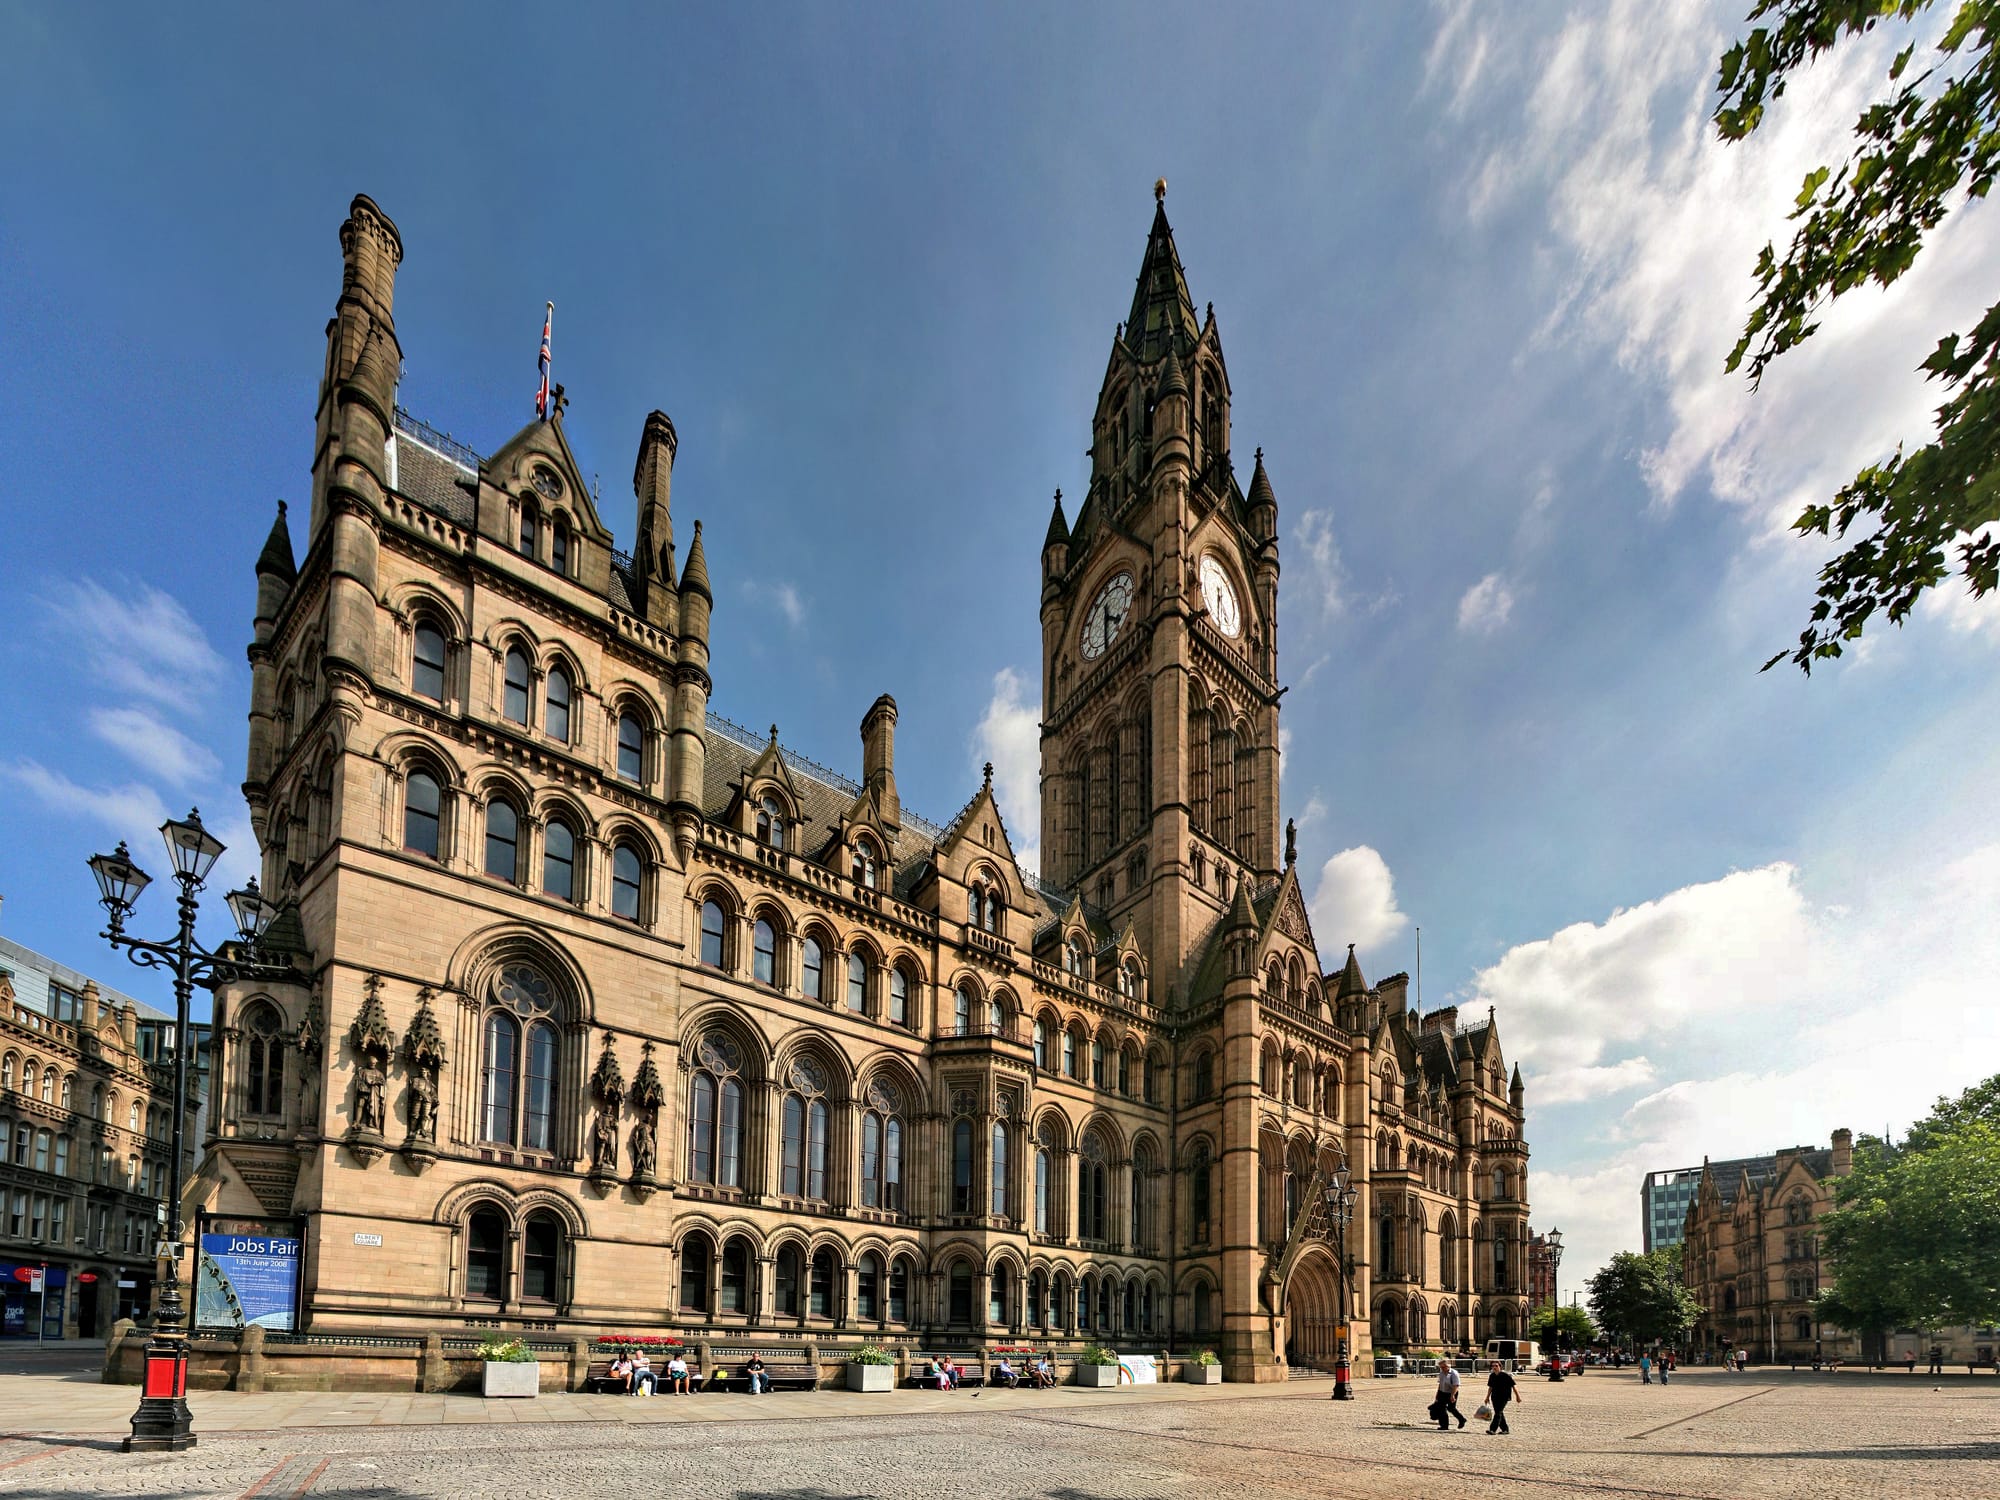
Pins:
x: 784, y: 1369
x: 975, y: 1373
x: 598, y: 1376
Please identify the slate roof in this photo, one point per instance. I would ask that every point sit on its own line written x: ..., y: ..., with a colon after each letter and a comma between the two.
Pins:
x: 430, y: 465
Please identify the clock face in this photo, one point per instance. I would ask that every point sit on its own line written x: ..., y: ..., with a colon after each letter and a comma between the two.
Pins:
x: 1220, y: 597
x: 1106, y: 616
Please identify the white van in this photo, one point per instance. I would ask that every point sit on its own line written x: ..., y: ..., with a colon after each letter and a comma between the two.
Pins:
x: 1514, y: 1354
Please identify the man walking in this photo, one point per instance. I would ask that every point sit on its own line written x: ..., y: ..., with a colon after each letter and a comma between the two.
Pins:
x: 1500, y: 1389
x: 1445, y: 1407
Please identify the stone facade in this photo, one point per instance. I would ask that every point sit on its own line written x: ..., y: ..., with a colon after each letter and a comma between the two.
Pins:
x: 1750, y: 1255
x: 86, y: 1111
x: 611, y: 1014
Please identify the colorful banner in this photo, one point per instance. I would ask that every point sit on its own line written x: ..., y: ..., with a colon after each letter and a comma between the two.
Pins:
x: 246, y: 1278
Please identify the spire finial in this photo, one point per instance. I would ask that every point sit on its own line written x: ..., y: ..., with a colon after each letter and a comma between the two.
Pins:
x: 281, y: 507
x: 989, y: 773
x: 1291, y: 841
x: 1160, y: 191
x: 774, y: 734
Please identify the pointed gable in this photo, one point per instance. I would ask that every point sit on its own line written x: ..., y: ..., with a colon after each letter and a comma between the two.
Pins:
x: 979, y: 833
x: 541, y: 445
x: 1162, y: 310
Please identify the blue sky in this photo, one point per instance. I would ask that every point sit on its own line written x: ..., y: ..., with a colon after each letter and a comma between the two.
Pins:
x: 1475, y: 270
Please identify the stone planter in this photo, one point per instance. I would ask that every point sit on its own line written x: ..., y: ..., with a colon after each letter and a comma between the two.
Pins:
x: 500, y: 1378
x: 1202, y: 1374
x: 1097, y: 1374
x: 871, y: 1377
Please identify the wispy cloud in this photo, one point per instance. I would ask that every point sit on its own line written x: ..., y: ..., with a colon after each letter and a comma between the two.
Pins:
x: 778, y: 595
x: 153, y: 745
x: 1325, y: 583
x: 1009, y: 734
x: 137, y: 640
x: 1486, y: 606
x: 131, y: 811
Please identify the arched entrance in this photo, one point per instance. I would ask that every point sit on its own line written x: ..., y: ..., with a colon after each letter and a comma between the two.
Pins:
x: 1312, y: 1311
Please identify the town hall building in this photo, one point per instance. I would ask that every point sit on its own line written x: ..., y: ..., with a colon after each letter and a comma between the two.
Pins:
x: 612, y: 1015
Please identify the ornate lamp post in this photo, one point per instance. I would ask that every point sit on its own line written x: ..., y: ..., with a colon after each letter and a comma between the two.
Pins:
x: 1338, y: 1202
x: 162, y: 1422
x: 1553, y: 1248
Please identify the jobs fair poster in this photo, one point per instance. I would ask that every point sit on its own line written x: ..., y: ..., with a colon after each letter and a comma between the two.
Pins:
x: 248, y: 1278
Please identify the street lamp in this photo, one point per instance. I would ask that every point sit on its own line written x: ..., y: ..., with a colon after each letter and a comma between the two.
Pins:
x: 1339, y: 1199
x: 1553, y: 1248
x: 162, y: 1423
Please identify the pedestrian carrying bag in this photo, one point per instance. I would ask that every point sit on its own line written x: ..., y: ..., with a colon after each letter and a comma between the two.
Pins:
x: 1485, y: 1412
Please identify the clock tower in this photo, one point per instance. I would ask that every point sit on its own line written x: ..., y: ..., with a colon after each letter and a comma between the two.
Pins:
x: 1159, y: 641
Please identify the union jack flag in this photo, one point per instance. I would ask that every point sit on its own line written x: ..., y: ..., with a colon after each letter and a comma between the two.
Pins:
x: 542, y: 394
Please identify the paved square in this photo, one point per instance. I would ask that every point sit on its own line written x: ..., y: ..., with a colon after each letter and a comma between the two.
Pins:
x: 1706, y: 1435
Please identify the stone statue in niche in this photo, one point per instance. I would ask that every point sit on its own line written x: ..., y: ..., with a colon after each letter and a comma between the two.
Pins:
x: 607, y: 1082
x: 642, y: 1151
x: 604, y: 1145
x: 370, y: 1082
x: 648, y: 1095
x: 423, y: 1050
x: 373, y: 1045
x: 423, y: 1108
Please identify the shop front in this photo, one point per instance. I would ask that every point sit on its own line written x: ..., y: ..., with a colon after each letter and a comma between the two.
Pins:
x: 36, y: 1299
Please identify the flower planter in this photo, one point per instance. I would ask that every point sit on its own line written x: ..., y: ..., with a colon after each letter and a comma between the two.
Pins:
x: 1097, y: 1375
x: 1202, y: 1374
x: 511, y: 1379
x: 871, y: 1377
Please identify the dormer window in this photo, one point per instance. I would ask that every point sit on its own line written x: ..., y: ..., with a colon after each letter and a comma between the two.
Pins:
x: 866, y: 863
x: 531, y: 527
x: 559, y: 546
x: 771, y: 823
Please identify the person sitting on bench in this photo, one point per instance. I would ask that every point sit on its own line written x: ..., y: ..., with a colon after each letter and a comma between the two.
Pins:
x: 1004, y: 1374
x: 621, y: 1372
x: 756, y: 1376
x: 677, y: 1374
x: 645, y: 1379
x: 1045, y: 1375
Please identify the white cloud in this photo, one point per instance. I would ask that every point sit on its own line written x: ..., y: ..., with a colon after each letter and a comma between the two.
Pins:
x: 1747, y: 1017
x: 154, y: 746
x: 1737, y: 944
x: 1486, y: 606
x: 1355, y: 901
x: 1315, y: 810
x: 1009, y: 735
x: 1954, y: 604
x: 139, y: 641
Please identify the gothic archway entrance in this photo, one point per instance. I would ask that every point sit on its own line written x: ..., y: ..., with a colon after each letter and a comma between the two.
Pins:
x: 1312, y: 1308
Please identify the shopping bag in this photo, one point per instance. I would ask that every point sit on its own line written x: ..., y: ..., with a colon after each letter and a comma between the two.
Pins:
x: 1485, y: 1412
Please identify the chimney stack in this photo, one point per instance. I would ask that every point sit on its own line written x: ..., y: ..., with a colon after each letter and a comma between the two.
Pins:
x: 878, y: 758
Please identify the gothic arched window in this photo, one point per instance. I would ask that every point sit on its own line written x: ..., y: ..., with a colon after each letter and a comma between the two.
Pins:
x: 514, y: 699
x: 1041, y: 1043
x: 555, y: 707
x: 867, y: 862
x: 715, y: 1113
x: 541, y: 1258
x: 899, y: 997
x: 961, y: 1012
x: 999, y: 1167
x: 503, y: 840
x: 771, y: 823
x: 882, y: 1150
x: 559, y: 546
x: 1094, y: 1189
x: 264, y: 1063
x: 486, y: 1254
x: 531, y: 527
x: 812, y: 969
x: 421, y: 814
x: 857, y: 982
x: 1045, y: 1168
x: 961, y: 1167
x: 559, y: 860
x: 802, y: 1164
x: 631, y: 746
x: 764, y: 952
x: 1200, y: 1191
x: 711, y: 934
x: 627, y: 874
x: 520, y: 1050
x: 427, y: 662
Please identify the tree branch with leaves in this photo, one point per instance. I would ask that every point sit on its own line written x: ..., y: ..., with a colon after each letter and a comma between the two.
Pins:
x: 1930, y: 147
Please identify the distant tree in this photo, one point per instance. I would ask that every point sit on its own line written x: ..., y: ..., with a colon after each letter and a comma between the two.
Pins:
x: 1914, y: 1234
x: 1640, y: 1298
x: 1931, y: 145
x: 1572, y: 1322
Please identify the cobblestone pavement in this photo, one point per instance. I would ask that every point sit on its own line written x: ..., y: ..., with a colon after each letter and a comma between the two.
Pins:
x: 1706, y: 1435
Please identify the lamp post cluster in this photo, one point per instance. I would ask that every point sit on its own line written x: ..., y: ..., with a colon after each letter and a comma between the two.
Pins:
x: 162, y: 1423
x: 1338, y: 1202
x: 1553, y: 1248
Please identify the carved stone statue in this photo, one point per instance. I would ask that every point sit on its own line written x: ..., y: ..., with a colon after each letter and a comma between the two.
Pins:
x: 642, y: 1149
x: 423, y: 1107
x: 604, y: 1144
x: 369, y: 1083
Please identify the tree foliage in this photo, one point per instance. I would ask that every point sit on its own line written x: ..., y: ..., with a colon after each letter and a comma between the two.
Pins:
x: 1914, y: 1235
x: 1931, y: 145
x: 1640, y: 1298
x: 1573, y: 1322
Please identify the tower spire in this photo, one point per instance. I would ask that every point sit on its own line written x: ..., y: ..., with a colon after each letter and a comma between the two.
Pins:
x: 1162, y: 310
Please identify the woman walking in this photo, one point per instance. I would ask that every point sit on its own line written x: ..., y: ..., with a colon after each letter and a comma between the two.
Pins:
x: 1500, y: 1389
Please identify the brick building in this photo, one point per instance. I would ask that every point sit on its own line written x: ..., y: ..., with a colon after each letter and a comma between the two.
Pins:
x: 612, y: 1014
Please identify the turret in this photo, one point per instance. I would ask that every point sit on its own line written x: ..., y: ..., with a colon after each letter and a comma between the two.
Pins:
x: 1055, y: 545
x: 878, y: 760
x: 690, y: 710
x: 1516, y: 1094
x: 1843, y: 1152
x: 652, y: 484
x: 1262, y: 503
x: 1173, y: 412
x: 276, y: 574
x: 93, y: 1012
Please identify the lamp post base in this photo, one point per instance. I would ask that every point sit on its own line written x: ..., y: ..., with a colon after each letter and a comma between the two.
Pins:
x: 163, y: 1424
x: 1343, y: 1383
